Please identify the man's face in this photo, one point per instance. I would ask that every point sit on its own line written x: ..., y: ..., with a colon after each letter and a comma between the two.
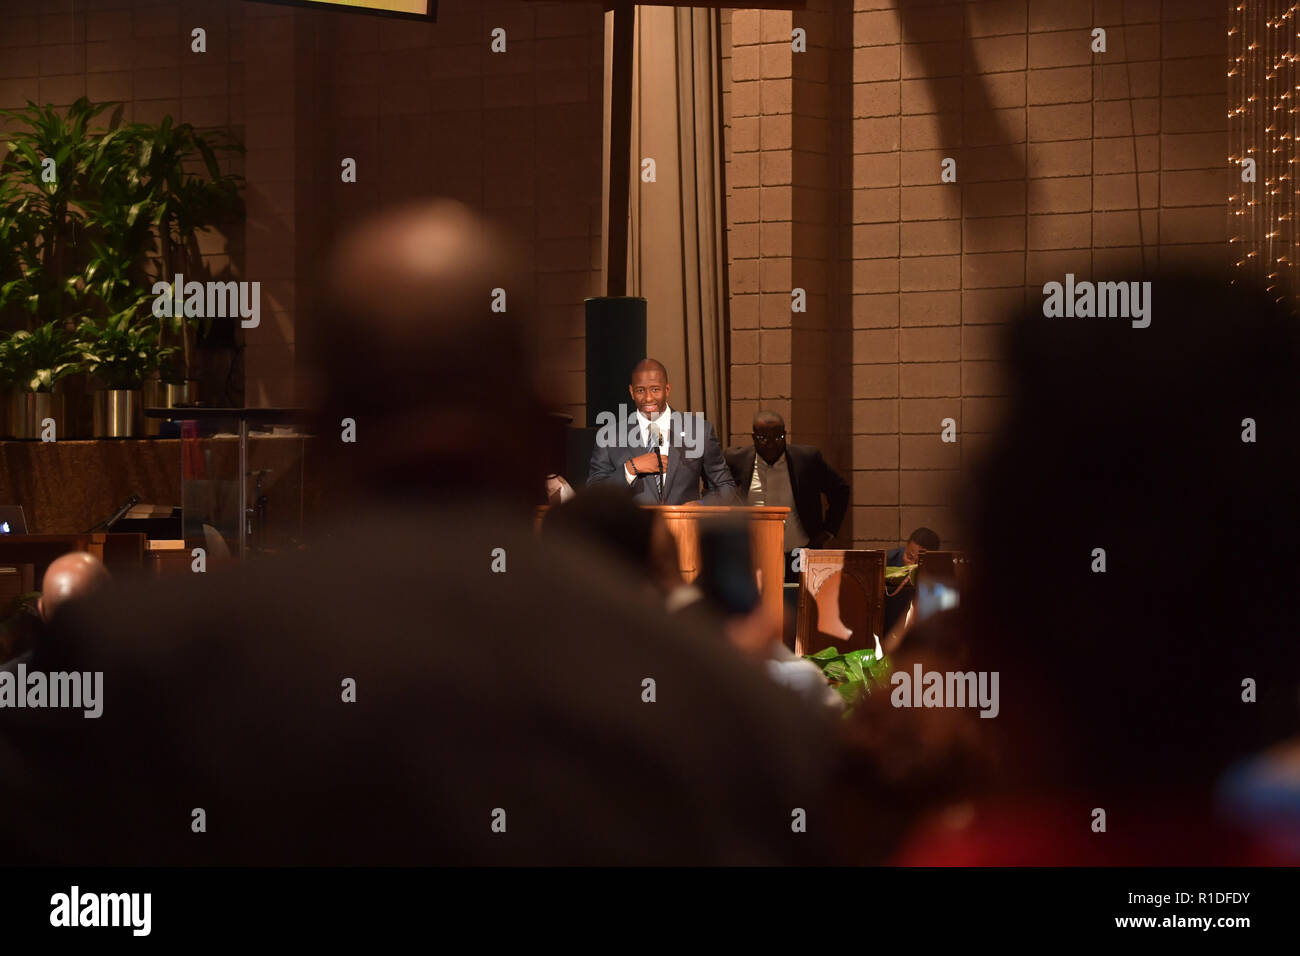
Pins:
x: 912, y: 553
x: 650, y: 392
x: 769, y: 440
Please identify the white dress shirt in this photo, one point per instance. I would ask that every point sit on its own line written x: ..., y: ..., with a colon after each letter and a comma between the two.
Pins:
x: 664, y: 421
x: 770, y: 485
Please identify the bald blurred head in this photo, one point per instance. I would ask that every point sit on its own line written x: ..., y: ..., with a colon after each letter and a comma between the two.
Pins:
x: 75, y: 575
x: 408, y: 346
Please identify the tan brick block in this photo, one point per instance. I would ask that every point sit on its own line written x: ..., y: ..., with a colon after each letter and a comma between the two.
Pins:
x: 930, y: 308
x: 984, y: 378
x: 1142, y: 117
x: 924, y: 416
x: 875, y: 451
x: 927, y: 273
x: 1116, y: 155
x: 928, y: 452
x: 744, y: 347
x: 1064, y: 158
x: 996, y: 17
x: 1071, y: 84
x: 875, y: 275
x: 929, y: 202
x: 875, y: 345
x: 931, y: 237
x: 876, y: 205
x: 995, y: 234
x: 876, y: 524
x: 875, y: 170
x: 875, y: 240
x: 938, y: 95
x: 871, y: 64
x: 875, y: 381
x: 990, y: 270
x: 876, y: 99
x: 876, y: 487
x: 744, y: 381
x: 876, y: 28
x: 742, y: 207
x: 875, y: 416
x: 992, y: 306
x: 930, y: 344
x: 875, y: 311
x: 1069, y: 121
x: 1061, y: 195
x: 935, y: 60
x: 774, y: 239
x: 1065, y: 231
x: 930, y: 379
x: 1064, y: 48
x: 744, y: 311
x: 775, y: 275
x: 994, y: 199
x: 876, y: 135
x: 1193, y: 224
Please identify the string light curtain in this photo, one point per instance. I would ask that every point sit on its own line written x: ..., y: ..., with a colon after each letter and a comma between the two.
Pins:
x: 1262, y: 126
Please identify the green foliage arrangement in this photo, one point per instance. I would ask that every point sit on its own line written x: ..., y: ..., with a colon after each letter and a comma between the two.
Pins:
x: 853, y: 674
x: 90, y: 217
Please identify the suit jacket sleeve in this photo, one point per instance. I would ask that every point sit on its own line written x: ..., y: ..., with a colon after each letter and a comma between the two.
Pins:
x: 837, y: 495
x: 722, y: 487
x: 603, y: 469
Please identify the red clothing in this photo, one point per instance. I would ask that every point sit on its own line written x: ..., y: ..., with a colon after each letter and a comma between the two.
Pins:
x: 1059, y: 833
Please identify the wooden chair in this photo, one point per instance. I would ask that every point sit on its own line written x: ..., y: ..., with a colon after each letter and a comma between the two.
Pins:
x: 841, y: 600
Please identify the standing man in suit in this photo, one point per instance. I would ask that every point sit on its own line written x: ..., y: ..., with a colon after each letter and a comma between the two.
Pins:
x: 770, y: 472
x: 661, y: 455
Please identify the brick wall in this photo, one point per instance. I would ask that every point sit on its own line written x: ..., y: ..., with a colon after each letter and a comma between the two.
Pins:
x: 425, y: 109
x: 1067, y: 161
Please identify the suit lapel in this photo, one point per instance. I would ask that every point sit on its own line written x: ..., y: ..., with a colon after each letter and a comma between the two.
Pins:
x: 747, y: 472
x: 794, y: 481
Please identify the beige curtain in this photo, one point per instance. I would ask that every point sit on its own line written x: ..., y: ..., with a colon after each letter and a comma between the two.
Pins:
x: 676, y: 256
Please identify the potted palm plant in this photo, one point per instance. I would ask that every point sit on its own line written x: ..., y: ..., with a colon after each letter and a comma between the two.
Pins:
x: 36, y: 362
x: 120, y: 352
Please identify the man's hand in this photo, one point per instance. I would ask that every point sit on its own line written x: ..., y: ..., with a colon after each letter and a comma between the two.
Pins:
x: 647, y: 463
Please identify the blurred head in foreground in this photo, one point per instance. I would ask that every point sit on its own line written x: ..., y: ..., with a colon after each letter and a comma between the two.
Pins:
x: 408, y: 346
x: 1160, y: 464
x: 70, y: 576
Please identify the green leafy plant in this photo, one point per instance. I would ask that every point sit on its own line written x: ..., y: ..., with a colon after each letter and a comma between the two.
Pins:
x: 852, y: 674
x: 57, y: 167
x: 123, y: 350
x: 38, y: 360
x: 174, y: 178
x: 91, y: 216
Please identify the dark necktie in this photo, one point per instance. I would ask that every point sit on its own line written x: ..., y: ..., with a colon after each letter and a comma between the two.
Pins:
x: 654, y: 441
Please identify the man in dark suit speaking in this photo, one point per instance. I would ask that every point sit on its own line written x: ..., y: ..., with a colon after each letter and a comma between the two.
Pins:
x: 659, y: 454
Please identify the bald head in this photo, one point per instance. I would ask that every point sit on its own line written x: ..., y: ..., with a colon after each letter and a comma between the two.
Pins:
x: 75, y: 575
x: 421, y: 342
x: 769, y: 436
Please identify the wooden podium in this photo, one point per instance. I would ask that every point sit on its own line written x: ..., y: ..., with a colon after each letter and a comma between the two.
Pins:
x: 766, y: 542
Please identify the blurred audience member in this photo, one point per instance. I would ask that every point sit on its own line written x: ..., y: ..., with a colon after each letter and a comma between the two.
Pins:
x: 430, y: 683
x: 73, y: 576
x: 1125, y: 694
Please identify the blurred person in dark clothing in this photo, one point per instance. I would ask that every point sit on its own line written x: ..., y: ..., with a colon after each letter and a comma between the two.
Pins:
x: 429, y: 683
x: 1136, y: 665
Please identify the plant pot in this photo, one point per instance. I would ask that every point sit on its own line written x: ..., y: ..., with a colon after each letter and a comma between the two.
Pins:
x: 28, y: 410
x: 117, y: 413
x: 166, y: 395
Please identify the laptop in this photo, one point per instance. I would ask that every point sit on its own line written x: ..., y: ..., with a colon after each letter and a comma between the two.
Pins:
x: 12, y: 520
